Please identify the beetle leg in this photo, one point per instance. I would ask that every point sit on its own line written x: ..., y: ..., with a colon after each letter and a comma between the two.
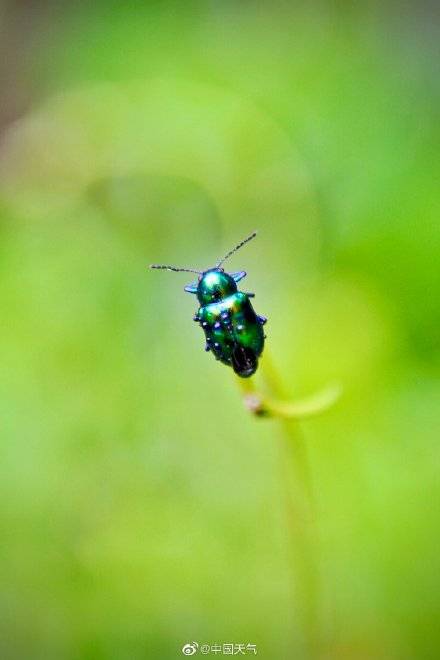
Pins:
x: 250, y: 295
x: 239, y: 276
x: 262, y: 319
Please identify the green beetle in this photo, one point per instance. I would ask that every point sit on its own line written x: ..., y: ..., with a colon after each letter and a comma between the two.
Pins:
x: 233, y: 331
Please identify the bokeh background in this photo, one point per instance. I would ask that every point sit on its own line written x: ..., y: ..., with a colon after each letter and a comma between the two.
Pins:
x: 140, y: 504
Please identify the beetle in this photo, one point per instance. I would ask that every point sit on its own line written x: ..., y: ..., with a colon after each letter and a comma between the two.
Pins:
x: 233, y: 331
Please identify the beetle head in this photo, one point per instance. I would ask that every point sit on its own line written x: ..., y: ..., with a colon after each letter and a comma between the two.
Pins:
x: 214, y: 285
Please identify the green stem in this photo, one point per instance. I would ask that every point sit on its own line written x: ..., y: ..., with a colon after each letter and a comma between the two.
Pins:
x: 301, y: 526
x: 298, y: 493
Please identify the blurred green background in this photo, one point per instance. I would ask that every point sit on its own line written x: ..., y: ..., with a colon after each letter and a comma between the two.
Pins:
x: 140, y: 505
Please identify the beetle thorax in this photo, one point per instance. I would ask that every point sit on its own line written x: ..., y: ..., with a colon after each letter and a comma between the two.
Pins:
x: 214, y: 285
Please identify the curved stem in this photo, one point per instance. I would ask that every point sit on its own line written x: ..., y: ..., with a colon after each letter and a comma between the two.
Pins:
x: 298, y: 493
x: 301, y: 527
x: 295, y: 410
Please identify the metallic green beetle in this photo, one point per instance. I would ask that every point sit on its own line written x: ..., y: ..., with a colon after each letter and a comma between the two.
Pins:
x: 233, y: 331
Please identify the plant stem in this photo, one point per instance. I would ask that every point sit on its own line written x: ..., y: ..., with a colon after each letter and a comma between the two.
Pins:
x: 298, y: 493
x: 301, y: 527
x: 300, y: 516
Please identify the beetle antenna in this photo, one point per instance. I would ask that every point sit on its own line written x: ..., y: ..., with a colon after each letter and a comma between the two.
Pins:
x: 237, y: 247
x: 176, y: 270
